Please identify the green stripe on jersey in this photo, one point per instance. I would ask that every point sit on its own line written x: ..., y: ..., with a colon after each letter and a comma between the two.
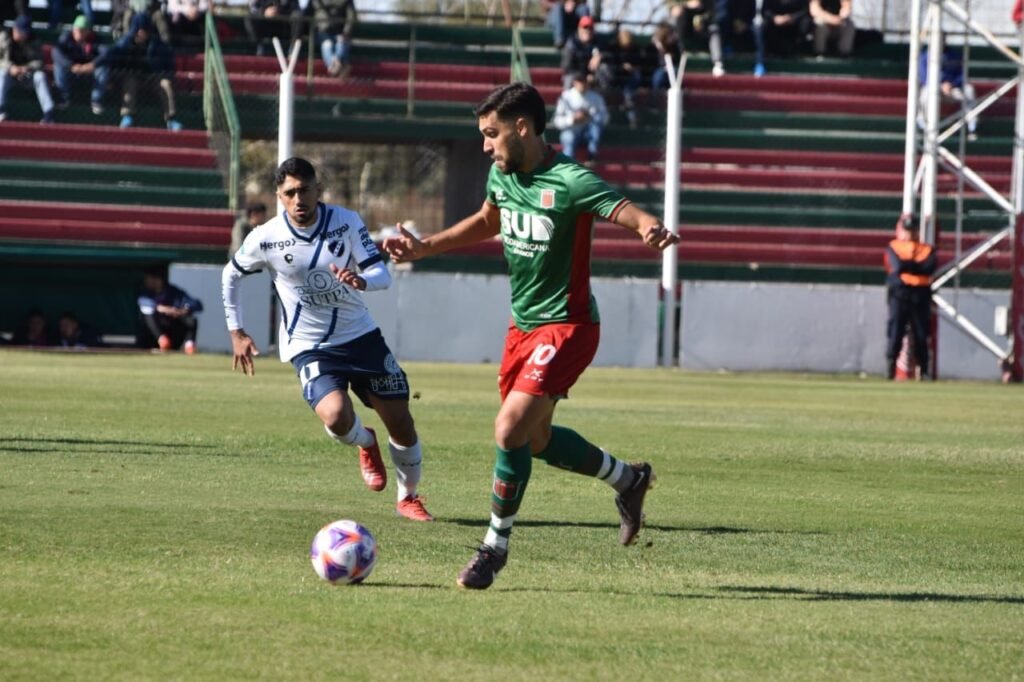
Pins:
x: 547, y: 222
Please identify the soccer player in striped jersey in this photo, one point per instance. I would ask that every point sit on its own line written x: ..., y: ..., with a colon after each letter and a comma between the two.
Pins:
x: 543, y: 205
x: 320, y: 257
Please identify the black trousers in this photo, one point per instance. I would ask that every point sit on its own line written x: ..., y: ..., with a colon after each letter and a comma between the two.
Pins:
x: 909, y: 306
x: 153, y: 326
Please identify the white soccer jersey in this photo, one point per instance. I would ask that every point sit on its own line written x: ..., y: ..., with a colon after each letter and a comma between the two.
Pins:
x: 317, y: 311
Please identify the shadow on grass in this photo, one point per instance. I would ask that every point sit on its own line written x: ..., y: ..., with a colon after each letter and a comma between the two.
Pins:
x: 44, y: 444
x: 405, y: 586
x: 826, y: 595
x: 796, y: 594
x: 97, y: 441
x: 707, y: 530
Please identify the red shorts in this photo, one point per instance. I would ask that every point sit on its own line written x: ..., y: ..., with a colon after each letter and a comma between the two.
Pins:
x: 548, y: 360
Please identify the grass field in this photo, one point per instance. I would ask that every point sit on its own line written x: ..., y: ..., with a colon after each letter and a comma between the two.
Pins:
x: 156, y: 514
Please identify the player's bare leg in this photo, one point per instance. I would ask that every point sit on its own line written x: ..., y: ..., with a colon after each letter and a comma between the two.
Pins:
x: 406, y: 455
x: 343, y: 424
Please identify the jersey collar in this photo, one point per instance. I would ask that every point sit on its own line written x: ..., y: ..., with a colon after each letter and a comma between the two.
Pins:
x: 321, y: 211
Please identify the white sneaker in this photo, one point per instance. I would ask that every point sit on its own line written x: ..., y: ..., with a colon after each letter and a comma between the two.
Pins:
x: 718, y: 70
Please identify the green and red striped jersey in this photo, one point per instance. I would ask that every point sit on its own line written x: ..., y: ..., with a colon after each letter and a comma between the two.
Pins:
x: 547, y: 225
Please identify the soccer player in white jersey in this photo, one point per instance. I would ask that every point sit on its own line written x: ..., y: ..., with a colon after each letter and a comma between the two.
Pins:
x: 312, y: 251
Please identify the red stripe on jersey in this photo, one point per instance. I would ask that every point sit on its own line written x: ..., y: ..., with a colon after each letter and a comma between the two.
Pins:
x: 618, y: 209
x: 577, y: 307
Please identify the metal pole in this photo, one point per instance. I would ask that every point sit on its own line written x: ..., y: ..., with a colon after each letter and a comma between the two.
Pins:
x: 1016, y: 359
x: 670, y: 256
x: 910, y: 146
x: 286, y: 106
x: 928, y: 217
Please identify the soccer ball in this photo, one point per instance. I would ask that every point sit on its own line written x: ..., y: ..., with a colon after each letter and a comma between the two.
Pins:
x: 343, y: 553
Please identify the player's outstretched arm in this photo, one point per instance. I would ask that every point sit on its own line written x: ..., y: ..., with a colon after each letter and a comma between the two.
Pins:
x: 243, y: 348
x: 483, y: 224
x: 651, y: 230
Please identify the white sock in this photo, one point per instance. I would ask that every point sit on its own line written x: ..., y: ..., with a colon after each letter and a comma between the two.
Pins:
x: 357, y: 435
x: 408, y: 463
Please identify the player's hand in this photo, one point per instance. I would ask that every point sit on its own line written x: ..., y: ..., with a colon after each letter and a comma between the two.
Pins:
x: 348, y: 277
x: 657, y: 236
x: 243, y: 349
x: 404, y: 248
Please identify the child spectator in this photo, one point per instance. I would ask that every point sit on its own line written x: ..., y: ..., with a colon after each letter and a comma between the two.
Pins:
x: 21, y: 62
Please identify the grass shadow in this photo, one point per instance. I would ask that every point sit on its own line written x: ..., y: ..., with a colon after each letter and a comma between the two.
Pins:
x: 770, y: 592
x: 706, y: 530
x: 97, y: 441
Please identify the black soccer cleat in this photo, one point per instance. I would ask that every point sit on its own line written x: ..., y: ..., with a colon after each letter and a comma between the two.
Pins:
x: 480, y: 571
x: 631, y: 503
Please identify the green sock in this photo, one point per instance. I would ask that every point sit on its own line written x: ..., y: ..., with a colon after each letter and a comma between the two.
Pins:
x: 511, y: 474
x: 569, y: 450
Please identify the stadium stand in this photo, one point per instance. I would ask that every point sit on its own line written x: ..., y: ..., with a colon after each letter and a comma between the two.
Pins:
x: 794, y: 177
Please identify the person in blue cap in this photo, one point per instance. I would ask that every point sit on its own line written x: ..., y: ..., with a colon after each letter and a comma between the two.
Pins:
x: 140, y: 60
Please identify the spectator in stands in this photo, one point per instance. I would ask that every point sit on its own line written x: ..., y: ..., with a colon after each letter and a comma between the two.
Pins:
x: 57, y: 11
x: 563, y: 19
x: 664, y: 41
x: 123, y: 11
x: 909, y: 265
x: 34, y: 331
x: 952, y: 86
x: 13, y: 10
x: 702, y: 18
x: 187, y: 21
x: 72, y: 334
x: 268, y: 19
x: 168, y: 315
x: 747, y: 31
x: 581, y: 53
x: 74, y: 56
x: 581, y: 115
x: 255, y: 215
x: 833, y: 21
x: 786, y: 25
x: 21, y: 62
x: 335, y: 22
x: 624, y: 72
x: 141, y: 61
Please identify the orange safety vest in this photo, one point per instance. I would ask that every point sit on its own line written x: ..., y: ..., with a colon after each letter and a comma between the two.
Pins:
x: 913, y: 251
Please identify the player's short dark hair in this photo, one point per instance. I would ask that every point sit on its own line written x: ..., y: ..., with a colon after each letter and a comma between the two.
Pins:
x: 295, y: 167
x: 511, y: 101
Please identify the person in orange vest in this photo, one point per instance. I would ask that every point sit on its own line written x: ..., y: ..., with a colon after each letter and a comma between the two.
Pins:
x: 909, y: 265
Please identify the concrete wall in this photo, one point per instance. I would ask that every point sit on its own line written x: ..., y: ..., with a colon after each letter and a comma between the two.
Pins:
x: 817, y: 328
x: 203, y: 282
x: 440, y: 317
x: 735, y: 326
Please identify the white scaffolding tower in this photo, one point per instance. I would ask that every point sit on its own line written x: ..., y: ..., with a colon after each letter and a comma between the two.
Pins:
x: 920, y: 176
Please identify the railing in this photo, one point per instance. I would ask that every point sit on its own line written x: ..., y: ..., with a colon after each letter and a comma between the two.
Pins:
x: 520, y: 67
x: 220, y: 113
